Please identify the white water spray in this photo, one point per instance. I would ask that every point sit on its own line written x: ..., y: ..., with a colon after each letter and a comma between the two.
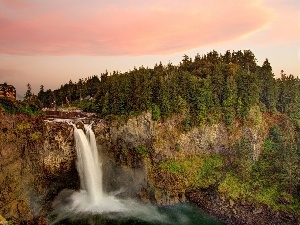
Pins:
x: 91, y: 198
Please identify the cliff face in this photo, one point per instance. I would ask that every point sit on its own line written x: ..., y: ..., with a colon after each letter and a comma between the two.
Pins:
x: 146, y: 145
x: 16, y: 166
x: 37, y: 161
x: 174, y: 165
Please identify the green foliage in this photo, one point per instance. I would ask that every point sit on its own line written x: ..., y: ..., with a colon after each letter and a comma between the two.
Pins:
x: 26, y: 109
x: 233, y: 187
x: 8, y: 105
x: 156, y: 115
x: 183, y: 107
x: 28, y: 93
x: 86, y: 105
x: 255, y: 116
x: 10, y: 222
x: 143, y: 150
x: 36, y: 136
x: 269, y: 88
x: 243, y: 162
x: 273, y: 179
x: 229, y: 114
x: 197, y: 172
x: 29, y: 106
x: 188, y: 123
x: 175, y: 167
x: 22, y: 126
x: 268, y: 196
x: 70, y: 92
x: 209, y: 172
x: 177, y: 146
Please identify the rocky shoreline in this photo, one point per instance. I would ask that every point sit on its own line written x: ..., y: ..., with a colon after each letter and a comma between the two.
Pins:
x: 238, y: 212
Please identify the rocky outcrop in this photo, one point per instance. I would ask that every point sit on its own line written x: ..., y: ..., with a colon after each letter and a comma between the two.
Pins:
x: 37, y: 161
x: 58, y: 154
x: 16, y: 170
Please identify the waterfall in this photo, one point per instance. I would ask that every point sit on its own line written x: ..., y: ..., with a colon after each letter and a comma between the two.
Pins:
x: 91, y: 197
x: 88, y: 165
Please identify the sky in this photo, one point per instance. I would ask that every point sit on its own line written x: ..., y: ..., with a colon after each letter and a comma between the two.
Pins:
x: 51, y: 42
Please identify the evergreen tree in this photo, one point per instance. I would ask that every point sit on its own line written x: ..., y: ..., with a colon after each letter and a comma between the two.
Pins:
x: 28, y: 93
x: 269, y: 90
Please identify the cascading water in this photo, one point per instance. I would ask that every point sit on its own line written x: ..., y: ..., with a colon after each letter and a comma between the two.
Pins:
x: 91, y: 198
x: 88, y: 165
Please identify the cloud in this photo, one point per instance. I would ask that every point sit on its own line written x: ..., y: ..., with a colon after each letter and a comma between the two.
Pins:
x: 283, y: 28
x: 128, y: 27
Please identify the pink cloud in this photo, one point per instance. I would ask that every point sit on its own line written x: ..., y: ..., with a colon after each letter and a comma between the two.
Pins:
x: 284, y: 27
x: 130, y: 27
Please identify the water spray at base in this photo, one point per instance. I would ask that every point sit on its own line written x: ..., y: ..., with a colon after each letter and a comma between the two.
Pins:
x: 91, y: 199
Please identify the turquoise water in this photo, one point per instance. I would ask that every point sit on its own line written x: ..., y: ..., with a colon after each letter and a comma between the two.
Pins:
x: 181, y: 214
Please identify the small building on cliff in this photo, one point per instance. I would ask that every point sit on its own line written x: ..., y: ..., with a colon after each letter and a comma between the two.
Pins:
x: 8, y: 91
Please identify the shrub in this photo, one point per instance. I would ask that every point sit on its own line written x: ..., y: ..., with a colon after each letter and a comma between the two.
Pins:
x: 8, y: 105
x: 208, y: 172
x: 143, y: 150
x: 232, y: 187
x: 35, y: 136
x: 268, y: 196
x: 156, y: 114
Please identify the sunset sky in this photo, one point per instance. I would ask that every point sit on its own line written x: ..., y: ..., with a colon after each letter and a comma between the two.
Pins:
x: 51, y: 42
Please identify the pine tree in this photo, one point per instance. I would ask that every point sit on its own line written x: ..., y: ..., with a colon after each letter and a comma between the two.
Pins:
x: 28, y: 94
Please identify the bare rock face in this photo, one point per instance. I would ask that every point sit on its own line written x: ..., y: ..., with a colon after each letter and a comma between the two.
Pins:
x: 79, y: 125
x: 16, y: 171
x: 208, y: 139
x: 136, y: 132
x: 58, y: 153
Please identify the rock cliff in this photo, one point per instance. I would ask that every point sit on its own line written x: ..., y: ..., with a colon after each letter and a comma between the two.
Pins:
x: 37, y: 161
x: 142, y: 143
x: 166, y: 158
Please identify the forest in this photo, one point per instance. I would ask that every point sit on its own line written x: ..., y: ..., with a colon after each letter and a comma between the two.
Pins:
x: 210, y: 87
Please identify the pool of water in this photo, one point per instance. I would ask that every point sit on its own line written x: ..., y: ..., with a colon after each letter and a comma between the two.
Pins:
x: 181, y: 214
